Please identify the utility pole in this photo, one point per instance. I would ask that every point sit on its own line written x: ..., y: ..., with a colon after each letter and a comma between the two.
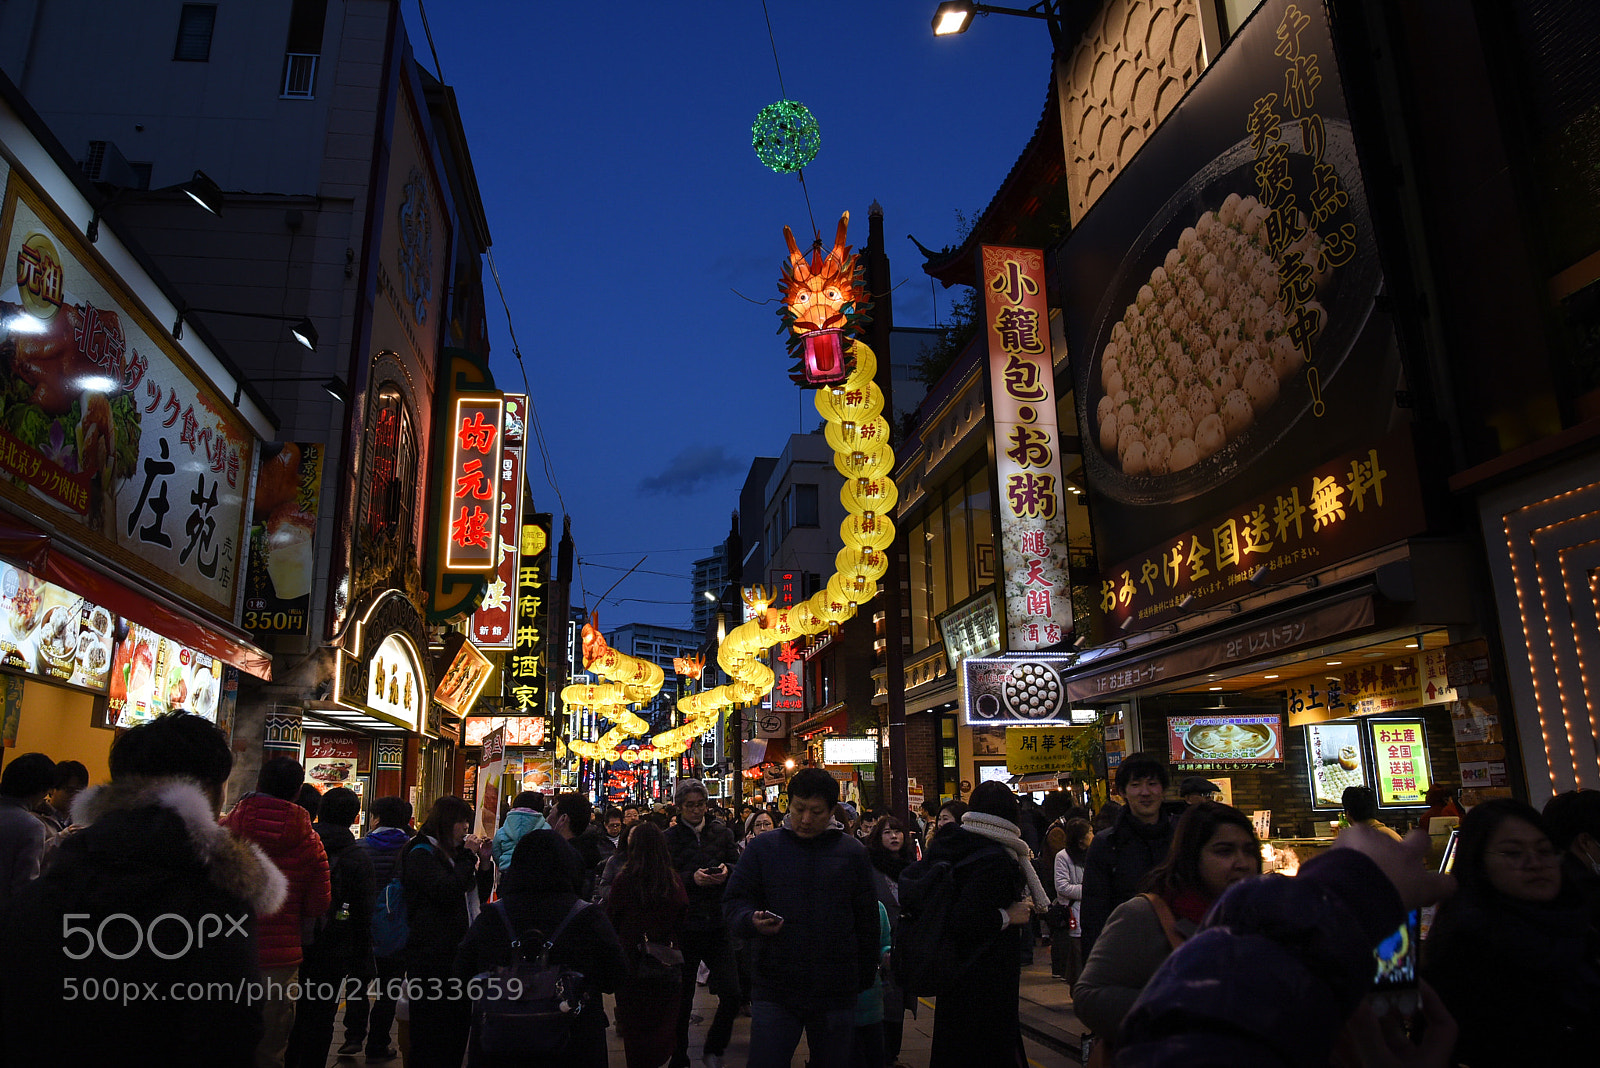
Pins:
x: 881, y: 286
x: 734, y: 548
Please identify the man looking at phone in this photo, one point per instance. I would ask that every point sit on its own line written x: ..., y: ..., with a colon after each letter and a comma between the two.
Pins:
x: 704, y: 852
x: 805, y: 893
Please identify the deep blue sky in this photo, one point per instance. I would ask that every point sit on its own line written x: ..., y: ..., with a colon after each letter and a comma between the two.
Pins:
x: 629, y: 213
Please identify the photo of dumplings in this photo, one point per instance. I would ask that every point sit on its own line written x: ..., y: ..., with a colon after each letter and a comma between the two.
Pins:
x: 1206, y: 347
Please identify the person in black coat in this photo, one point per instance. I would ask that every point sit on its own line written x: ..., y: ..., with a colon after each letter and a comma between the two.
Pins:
x: 537, y: 893
x: 338, y: 958
x: 1122, y: 854
x: 978, y: 1024
x: 703, y: 853
x: 805, y: 893
x: 149, y: 852
x: 438, y: 869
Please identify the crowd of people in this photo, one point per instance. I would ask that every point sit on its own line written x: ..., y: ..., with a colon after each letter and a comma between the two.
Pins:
x: 137, y: 926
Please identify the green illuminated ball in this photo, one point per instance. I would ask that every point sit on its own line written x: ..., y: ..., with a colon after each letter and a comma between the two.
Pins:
x: 785, y: 136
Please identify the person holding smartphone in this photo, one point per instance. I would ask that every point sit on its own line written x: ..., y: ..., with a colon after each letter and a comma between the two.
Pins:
x: 703, y: 853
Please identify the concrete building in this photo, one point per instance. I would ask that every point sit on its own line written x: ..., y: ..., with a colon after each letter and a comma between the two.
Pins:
x: 706, y: 585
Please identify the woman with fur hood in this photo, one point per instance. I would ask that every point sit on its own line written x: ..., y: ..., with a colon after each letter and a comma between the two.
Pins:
x: 77, y: 984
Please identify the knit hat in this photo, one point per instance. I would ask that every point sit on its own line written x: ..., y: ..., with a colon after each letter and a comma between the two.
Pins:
x: 689, y: 786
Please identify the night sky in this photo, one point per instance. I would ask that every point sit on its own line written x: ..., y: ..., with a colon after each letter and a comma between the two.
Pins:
x: 639, y: 239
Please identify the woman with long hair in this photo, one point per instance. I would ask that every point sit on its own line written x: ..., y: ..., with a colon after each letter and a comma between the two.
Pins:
x: 1512, y: 954
x: 1213, y: 847
x: 892, y: 849
x: 950, y: 814
x: 647, y: 903
x: 438, y: 871
x: 538, y: 893
x: 1066, y: 942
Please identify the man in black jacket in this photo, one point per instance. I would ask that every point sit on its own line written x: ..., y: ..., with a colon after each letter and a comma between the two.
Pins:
x: 364, y: 1025
x: 805, y: 893
x: 704, y: 853
x: 1123, y: 853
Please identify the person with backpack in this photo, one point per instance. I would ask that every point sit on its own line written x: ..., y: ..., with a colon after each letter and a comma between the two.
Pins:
x: 646, y: 905
x: 366, y: 1024
x: 965, y: 905
x: 539, y: 902
x: 804, y: 893
x: 1122, y: 853
x: 340, y: 947
x: 438, y: 869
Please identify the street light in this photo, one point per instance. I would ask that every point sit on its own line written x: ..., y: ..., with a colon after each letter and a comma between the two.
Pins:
x: 303, y: 331
x: 336, y: 387
x: 955, y: 16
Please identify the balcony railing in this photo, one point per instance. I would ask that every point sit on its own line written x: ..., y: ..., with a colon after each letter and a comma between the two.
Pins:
x: 299, y: 75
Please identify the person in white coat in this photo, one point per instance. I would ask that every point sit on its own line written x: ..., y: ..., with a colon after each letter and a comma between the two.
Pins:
x: 1066, y: 946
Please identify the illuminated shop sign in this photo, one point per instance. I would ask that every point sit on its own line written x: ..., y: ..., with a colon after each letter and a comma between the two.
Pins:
x: 1022, y: 689
x: 524, y: 680
x: 463, y: 680
x: 474, y: 485
x: 1239, y: 738
x: 493, y: 622
x: 52, y: 633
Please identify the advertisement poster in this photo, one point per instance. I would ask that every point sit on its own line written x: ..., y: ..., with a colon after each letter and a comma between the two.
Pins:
x: 152, y: 675
x: 53, y: 633
x: 105, y: 426
x: 1333, y: 761
x: 11, y: 711
x: 490, y: 768
x: 283, y: 533
x: 1022, y: 690
x: 538, y: 772
x: 1400, y: 758
x: 520, y: 730
x: 1032, y: 750
x: 1027, y: 449
x: 331, y: 760
x: 1220, y: 303
x: 1235, y: 739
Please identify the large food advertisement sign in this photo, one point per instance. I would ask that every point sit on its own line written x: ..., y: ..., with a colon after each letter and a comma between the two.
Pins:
x: 152, y: 675
x: 105, y: 426
x: 1221, y: 310
x: 1225, y: 740
x: 53, y: 633
x: 1020, y: 689
x: 283, y: 533
x: 1027, y: 444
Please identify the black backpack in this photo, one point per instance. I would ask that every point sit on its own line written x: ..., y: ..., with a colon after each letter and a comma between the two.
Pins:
x: 332, y: 930
x: 527, y: 1006
x: 925, y: 960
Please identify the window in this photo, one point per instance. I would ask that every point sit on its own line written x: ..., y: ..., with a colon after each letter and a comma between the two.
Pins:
x: 392, y: 469
x: 805, y: 505
x: 194, y: 32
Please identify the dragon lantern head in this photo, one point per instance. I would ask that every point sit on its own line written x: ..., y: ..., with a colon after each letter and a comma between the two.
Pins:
x: 824, y: 298
x: 594, y: 644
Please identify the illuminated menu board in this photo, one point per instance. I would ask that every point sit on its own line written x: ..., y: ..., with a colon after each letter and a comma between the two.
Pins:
x: 152, y: 675
x: 53, y: 633
x: 1400, y: 759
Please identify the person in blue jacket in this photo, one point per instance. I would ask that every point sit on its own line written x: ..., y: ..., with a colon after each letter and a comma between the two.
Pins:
x: 805, y: 894
x: 527, y: 814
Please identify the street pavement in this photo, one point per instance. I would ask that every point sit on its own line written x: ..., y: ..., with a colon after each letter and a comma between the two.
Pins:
x: 1051, y: 1032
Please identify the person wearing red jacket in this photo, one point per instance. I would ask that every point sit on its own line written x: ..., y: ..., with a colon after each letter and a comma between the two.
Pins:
x: 271, y: 819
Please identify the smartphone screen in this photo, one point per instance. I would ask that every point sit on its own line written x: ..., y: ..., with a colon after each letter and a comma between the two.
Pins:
x: 1394, y: 980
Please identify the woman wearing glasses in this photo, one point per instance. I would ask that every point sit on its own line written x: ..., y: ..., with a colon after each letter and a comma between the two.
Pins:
x: 1512, y: 955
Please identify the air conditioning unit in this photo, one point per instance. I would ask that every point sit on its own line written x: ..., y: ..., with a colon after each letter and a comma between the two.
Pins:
x: 107, y: 164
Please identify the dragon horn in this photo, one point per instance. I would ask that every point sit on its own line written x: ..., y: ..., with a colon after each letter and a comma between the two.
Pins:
x: 796, y: 257
x: 841, y: 249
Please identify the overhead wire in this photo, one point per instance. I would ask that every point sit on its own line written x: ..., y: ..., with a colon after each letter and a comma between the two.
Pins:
x: 799, y: 171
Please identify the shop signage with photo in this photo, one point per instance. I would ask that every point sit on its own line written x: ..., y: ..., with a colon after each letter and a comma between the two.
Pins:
x: 849, y: 750
x: 1223, y: 295
x: 464, y: 679
x: 1334, y: 761
x: 491, y: 767
x: 1027, y: 448
x: 52, y: 633
x: 152, y: 675
x: 524, y: 681
x: 1019, y: 689
x: 331, y: 760
x: 971, y: 628
x: 1400, y: 758
x: 283, y: 534
x: 108, y: 428
x: 1035, y: 750
x: 1239, y: 738
x: 520, y: 730
x: 493, y: 623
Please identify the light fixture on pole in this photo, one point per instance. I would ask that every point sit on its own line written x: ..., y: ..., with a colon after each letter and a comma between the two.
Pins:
x: 200, y: 189
x: 302, y: 329
x: 335, y: 386
x: 955, y: 16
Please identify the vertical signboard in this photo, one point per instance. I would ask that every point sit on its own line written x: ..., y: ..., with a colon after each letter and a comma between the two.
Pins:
x: 525, y: 677
x: 1033, y: 525
x: 788, y: 687
x: 492, y: 622
x: 1400, y: 757
x: 474, y: 484
x: 492, y: 766
x: 283, y: 535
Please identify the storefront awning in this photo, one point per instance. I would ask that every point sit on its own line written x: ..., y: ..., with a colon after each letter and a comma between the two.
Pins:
x: 835, y: 721
x: 33, y: 549
x: 1274, y: 635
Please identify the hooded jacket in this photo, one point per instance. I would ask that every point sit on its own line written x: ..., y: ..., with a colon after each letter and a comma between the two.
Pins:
x: 283, y: 831
x: 1118, y: 860
x: 383, y: 846
x: 827, y: 949
x: 518, y: 822
x: 149, y: 852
